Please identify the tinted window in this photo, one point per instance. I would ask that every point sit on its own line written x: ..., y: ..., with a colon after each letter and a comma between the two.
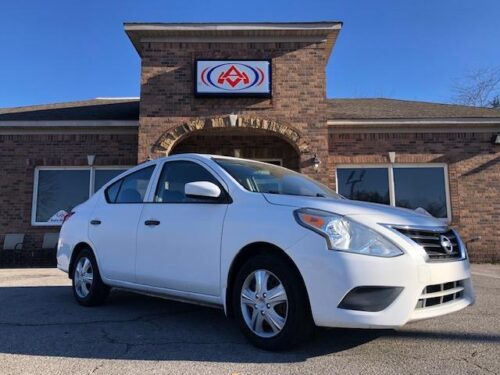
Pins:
x: 421, y: 187
x: 58, y: 192
x: 132, y: 187
x: 174, y: 176
x: 102, y: 176
x: 112, y: 191
x: 364, y: 184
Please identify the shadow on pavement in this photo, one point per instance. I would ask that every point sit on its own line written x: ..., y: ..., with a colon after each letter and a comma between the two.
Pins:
x: 46, y: 321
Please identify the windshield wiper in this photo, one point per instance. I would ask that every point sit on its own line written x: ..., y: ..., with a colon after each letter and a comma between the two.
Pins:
x: 318, y: 195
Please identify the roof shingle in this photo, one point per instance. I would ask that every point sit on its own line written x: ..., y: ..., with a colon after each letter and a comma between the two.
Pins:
x: 381, y: 108
x: 339, y: 109
x: 93, y: 109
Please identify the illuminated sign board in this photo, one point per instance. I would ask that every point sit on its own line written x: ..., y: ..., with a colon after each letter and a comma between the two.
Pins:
x: 233, y: 78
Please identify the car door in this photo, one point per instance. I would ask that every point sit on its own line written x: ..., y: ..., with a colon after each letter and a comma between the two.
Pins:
x: 113, y: 225
x: 179, y: 238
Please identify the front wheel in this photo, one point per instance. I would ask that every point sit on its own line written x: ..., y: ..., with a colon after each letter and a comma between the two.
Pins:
x: 88, y: 288
x: 270, y: 304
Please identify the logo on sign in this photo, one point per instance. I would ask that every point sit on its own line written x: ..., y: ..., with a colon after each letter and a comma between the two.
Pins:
x: 232, y: 76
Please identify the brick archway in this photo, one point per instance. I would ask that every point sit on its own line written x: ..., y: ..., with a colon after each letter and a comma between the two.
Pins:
x: 173, y: 136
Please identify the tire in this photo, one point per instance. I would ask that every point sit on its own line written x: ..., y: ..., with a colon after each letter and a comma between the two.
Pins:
x: 256, y: 313
x: 88, y: 288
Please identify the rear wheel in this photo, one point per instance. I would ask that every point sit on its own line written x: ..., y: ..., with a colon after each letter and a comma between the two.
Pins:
x: 270, y: 304
x: 88, y: 288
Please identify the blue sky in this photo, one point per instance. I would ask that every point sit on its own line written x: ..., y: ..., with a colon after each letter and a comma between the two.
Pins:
x: 53, y: 51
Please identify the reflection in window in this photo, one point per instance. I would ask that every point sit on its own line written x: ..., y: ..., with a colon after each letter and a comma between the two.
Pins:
x: 421, y: 187
x: 59, y: 191
x: 364, y: 184
x: 414, y: 186
x: 265, y: 178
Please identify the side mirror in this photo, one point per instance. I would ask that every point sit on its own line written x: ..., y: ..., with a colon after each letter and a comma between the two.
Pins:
x: 202, y: 189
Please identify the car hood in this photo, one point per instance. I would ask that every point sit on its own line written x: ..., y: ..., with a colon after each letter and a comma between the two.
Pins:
x: 360, y: 211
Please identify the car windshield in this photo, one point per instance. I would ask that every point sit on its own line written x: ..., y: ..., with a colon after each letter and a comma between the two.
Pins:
x: 267, y: 178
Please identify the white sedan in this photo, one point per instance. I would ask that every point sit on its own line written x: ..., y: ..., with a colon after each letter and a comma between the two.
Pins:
x: 276, y: 250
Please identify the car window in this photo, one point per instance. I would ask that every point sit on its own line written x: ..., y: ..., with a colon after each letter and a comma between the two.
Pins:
x: 260, y: 177
x: 174, y: 176
x: 104, y: 175
x: 112, y: 191
x: 130, y: 189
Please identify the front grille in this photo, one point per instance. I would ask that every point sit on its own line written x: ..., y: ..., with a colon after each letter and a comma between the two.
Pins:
x: 431, y: 241
x: 438, y: 294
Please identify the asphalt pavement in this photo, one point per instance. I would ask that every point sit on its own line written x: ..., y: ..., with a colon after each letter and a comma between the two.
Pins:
x: 44, y: 331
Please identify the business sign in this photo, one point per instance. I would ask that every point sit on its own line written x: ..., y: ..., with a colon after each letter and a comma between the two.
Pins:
x: 233, y: 78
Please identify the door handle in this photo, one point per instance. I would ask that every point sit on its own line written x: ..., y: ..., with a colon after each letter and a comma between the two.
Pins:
x: 95, y: 222
x: 152, y: 222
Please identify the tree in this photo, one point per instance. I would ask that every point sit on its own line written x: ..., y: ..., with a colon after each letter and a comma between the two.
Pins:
x: 495, y: 102
x: 479, y: 88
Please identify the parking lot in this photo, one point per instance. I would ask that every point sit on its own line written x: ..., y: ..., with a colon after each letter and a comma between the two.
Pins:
x: 42, y: 330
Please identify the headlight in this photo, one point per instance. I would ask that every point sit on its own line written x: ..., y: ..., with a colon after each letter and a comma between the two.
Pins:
x: 346, y: 235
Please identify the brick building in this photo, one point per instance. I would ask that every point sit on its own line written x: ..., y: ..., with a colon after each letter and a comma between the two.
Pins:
x: 442, y: 158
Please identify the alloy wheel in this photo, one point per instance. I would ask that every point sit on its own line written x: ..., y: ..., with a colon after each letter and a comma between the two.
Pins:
x: 264, y: 303
x: 84, y: 277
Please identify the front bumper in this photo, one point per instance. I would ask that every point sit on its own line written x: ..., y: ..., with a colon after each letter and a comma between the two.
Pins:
x: 330, y: 275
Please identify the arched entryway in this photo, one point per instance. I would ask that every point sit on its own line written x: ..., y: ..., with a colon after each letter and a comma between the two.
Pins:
x: 242, y: 137
x: 245, y: 143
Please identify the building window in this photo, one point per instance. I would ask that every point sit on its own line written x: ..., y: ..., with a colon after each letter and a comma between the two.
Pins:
x: 58, y: 189
x: 278, y: 162
x: 413, y: 186
x: 364, y: 184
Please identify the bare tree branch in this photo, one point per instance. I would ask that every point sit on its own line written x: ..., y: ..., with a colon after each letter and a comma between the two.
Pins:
x: 478, y: 88
x: 495, y: 102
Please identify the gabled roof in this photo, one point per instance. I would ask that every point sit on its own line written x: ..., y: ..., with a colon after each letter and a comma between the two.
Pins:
x: 381, y: 108
x: 118, y: 109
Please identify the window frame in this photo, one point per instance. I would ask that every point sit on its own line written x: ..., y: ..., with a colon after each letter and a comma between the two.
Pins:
x: 390, y: 175
x: 91, y: 169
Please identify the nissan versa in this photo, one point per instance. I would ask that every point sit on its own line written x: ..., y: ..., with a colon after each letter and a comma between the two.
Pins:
x: 278, y: 251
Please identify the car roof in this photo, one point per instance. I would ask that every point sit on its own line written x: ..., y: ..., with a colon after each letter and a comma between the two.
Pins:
x: 198, y: 156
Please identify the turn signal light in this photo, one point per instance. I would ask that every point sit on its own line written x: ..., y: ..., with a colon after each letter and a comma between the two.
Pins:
x: 315, y: 221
